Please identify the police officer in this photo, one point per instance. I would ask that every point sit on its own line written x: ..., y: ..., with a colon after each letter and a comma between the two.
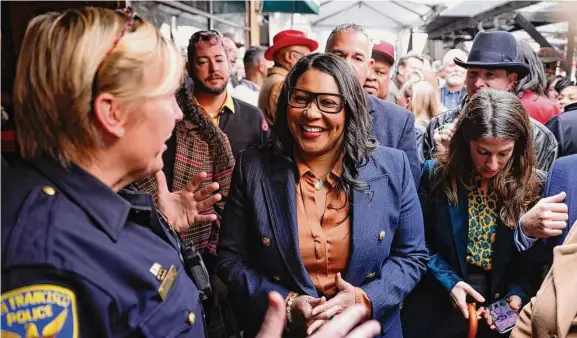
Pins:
x: 81, y: 256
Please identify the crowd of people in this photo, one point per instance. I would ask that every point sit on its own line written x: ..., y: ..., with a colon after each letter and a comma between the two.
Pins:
x: 338, y: 193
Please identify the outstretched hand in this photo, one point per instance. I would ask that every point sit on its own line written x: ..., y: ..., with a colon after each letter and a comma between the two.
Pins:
x: 184, y: 207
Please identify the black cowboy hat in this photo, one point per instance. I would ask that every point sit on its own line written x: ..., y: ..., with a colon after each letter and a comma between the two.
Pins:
x: 495, y: 50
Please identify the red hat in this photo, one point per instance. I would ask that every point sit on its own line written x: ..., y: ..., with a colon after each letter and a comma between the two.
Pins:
x: 289, y: 38
x: 385, y: 49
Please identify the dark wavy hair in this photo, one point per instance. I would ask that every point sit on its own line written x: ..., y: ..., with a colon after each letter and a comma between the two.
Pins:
x: 358, y: 143
x: 500, y: 114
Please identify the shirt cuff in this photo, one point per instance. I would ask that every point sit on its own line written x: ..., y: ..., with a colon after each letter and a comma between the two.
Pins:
x: 361, y: 298
x: 522, y: 241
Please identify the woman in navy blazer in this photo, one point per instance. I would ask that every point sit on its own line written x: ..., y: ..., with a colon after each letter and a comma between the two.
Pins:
x: 472, y: 200
x: 322, y: 123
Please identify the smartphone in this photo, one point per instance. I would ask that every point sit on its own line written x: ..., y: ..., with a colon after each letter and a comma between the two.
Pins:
x: 503, y: 316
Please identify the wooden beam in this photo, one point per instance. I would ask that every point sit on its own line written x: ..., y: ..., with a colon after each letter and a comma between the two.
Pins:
x: 536, y: 35
x: 472, y: 21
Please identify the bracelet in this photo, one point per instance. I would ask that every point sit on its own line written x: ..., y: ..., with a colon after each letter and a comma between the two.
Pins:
x: 289, y: 303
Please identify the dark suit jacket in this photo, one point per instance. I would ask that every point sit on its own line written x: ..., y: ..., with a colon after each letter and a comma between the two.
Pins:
x: 564, y: 127
x: 446, y: 231
x: 394, y: 127
x: 562, y: 177
x: 245, y: 127
x: 258, y: 250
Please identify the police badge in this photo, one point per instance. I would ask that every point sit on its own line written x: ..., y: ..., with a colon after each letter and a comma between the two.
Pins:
x: 39, y: 311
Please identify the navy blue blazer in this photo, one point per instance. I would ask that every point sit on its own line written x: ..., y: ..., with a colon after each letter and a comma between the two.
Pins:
x: 259, y: 252
x: 561, y: 177
x: 564, y: 127
x: 394, y: 127
x: 446, y: 231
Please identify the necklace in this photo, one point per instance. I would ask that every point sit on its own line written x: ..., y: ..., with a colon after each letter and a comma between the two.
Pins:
x: 319, y: 184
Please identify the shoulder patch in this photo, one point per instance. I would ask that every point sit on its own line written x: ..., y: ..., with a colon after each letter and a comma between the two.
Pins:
x: 41, y: 310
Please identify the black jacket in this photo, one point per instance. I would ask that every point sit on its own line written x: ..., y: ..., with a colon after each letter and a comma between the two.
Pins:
x: 544, y: 140
x: 245, y: 127
x: 564, y: 127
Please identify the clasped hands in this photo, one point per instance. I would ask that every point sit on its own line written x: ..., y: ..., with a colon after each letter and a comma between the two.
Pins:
x: 187, y: 206
x: 315, y: 312
x: 459, y: 297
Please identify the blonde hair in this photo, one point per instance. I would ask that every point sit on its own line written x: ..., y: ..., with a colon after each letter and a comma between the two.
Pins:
x: 424, y: 101
x: 68, y: 59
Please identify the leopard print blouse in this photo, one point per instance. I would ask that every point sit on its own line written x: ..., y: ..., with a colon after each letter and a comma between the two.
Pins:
x: 483, y: 219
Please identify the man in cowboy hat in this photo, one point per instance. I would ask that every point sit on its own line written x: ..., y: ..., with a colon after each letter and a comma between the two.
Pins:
x: 288, y: 47
x: 492, y: 63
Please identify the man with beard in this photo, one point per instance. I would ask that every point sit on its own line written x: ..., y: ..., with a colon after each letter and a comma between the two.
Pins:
x: 454, y: 89
x: 208, y: 67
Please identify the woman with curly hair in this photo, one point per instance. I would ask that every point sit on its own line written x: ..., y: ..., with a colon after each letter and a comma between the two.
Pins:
x: 472, y: 199
x: 322, y: 214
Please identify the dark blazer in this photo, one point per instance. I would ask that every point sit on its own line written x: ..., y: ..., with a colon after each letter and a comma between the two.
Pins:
x: 394, y: 127
x: 446, y: 231
x: 259, y: 252
x: 564, y: 127
x: 245, y: 127
x: 562, y: 177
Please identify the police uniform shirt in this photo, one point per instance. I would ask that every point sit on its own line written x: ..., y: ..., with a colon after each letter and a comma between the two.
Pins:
x: 79, y: 260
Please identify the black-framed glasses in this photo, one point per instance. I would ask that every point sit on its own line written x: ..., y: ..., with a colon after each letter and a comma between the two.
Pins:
x: 326, y: 102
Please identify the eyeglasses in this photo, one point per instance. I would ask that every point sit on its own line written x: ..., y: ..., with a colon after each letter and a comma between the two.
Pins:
x: 327, y: 103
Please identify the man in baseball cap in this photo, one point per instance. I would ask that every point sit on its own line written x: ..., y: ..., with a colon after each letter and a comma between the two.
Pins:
x: 377, y: 83
x: 288, y: 47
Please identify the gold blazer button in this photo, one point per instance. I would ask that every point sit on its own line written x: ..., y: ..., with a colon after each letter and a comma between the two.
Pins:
x: 191, y: 318
x: 48, y: 190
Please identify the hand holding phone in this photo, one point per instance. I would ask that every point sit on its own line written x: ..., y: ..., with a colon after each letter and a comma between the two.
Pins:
x: 503, y: 316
